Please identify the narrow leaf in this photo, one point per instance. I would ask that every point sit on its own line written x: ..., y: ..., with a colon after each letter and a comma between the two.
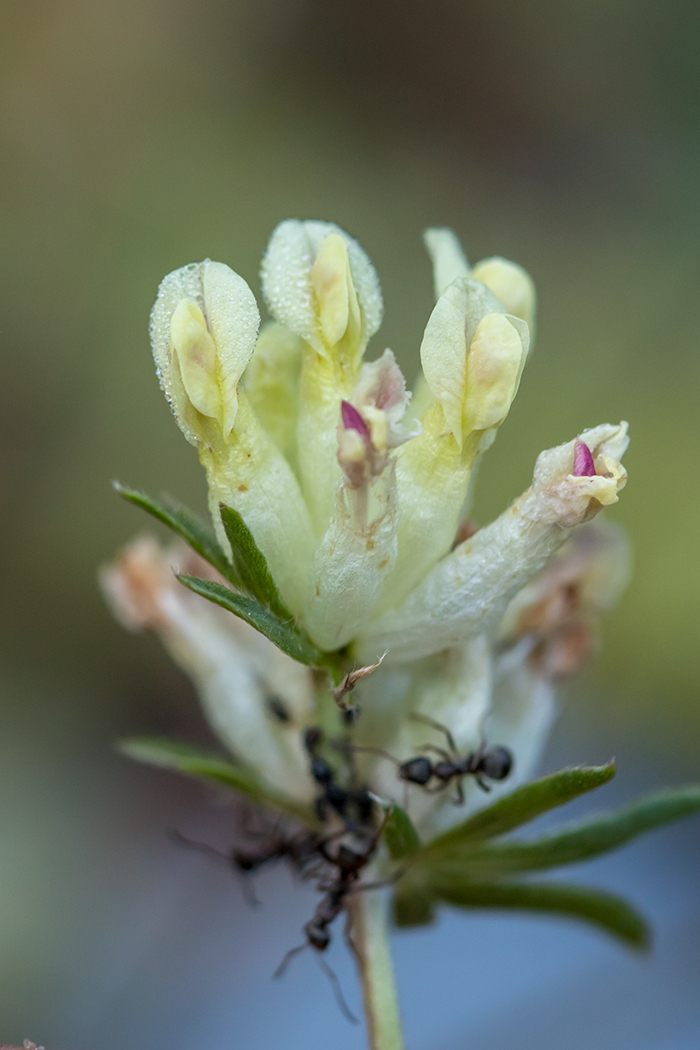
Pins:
x: 286, y: 637
x: 521, y: 806
x: 609, y: 913
x: 577, y: 842
x: 400, y: 834
x: 185, y: 524
x: 251, y: 564
x: 183, y: 757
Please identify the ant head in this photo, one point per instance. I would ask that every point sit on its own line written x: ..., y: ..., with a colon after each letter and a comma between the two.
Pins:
x: 317, y: 936
x: 497, y: 763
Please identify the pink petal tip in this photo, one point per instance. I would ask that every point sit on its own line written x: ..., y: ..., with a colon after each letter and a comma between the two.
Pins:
x: 352, y: 420
x: 584, y: 467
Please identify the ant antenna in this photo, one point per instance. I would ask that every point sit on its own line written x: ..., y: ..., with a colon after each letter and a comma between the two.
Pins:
x: 288, y: 958
x: 203, y: 847
x: 337, y: 991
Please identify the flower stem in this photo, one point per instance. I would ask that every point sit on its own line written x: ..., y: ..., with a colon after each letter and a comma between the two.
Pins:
x: 370, y: 935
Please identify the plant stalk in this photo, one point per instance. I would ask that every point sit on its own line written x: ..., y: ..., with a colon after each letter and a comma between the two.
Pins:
x: 370, y: 935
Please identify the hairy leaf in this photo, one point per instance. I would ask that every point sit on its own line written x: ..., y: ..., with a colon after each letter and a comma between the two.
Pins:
x: 520, y: 807
x: 609, y: 913
x: 185, y: 524
x: 251, y: 565
x: 577, y: 842
x: 284, y: 635
x: 183, y: 757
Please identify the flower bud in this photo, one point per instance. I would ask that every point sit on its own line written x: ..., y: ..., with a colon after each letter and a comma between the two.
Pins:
x: 203, y: 329
x: 320, y: 284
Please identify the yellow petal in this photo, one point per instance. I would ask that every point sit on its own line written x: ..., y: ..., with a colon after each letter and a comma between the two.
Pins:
x: 196, y: 357
x: 494, y: 366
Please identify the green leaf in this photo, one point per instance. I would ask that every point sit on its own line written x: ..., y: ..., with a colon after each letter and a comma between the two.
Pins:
x: 400, y: 835
x: 251, y: 564
x: 577, y: 842
x: 611, y: 914
x: 285, y: 636
x: 412, y: 907
x: 521, y: 806
x: 184, y: 524
x: 182, y: 757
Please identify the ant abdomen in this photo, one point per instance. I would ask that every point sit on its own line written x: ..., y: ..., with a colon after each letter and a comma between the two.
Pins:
x: 417, y: 770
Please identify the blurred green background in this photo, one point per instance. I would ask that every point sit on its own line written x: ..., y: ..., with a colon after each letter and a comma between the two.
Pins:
x: 139, y: 136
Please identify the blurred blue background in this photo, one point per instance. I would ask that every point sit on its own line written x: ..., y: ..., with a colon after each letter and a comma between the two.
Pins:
x: 140, y: 136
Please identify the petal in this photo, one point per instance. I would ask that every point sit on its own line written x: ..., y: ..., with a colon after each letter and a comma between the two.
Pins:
x: 351, y: 564
x: 447, y: 256
x: 251, y: 475
x: 271, y: 382
x: 512, y: 286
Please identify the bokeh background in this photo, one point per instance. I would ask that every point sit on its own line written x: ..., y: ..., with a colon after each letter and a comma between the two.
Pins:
x: 142, y: 135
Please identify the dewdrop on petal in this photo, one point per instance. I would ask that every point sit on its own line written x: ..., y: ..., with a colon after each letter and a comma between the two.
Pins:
x: 203, y: 329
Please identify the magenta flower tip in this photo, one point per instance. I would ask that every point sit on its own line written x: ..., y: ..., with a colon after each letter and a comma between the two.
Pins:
x: 584, y: 467
x: 352, y: 420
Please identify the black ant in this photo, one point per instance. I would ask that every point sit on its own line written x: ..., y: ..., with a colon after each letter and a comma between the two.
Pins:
x: 349, y: 864
x: 484, y: 764
x: 352, y: 804
x: 301, y: 850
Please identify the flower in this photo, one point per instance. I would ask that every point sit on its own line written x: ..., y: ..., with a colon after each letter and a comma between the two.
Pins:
x: 338, y: 502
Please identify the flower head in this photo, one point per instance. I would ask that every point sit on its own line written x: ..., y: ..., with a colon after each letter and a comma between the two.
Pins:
x: 336, y: 504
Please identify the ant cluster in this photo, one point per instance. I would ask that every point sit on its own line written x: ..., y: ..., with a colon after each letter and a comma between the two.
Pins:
x: 336, y: 856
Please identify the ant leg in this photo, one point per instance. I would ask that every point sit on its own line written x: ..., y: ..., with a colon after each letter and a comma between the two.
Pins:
x: 482, y: 784
x: 337, y: 990
x: 347, y: 934
x: 247, y: 889
x: 416, y: 717
x: 203, y: 847
x: 436, y: 751
x: 288, y: 958
x: 373, y: 751
x: 459, y: 801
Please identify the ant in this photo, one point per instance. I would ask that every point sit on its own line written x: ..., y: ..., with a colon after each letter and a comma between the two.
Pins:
x: 301, y: 850
x: 344, y: 801
x: 493, y: 763
x: 348, y: 864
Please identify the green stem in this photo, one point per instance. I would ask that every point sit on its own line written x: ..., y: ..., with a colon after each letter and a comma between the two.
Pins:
x: 370, y: 934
